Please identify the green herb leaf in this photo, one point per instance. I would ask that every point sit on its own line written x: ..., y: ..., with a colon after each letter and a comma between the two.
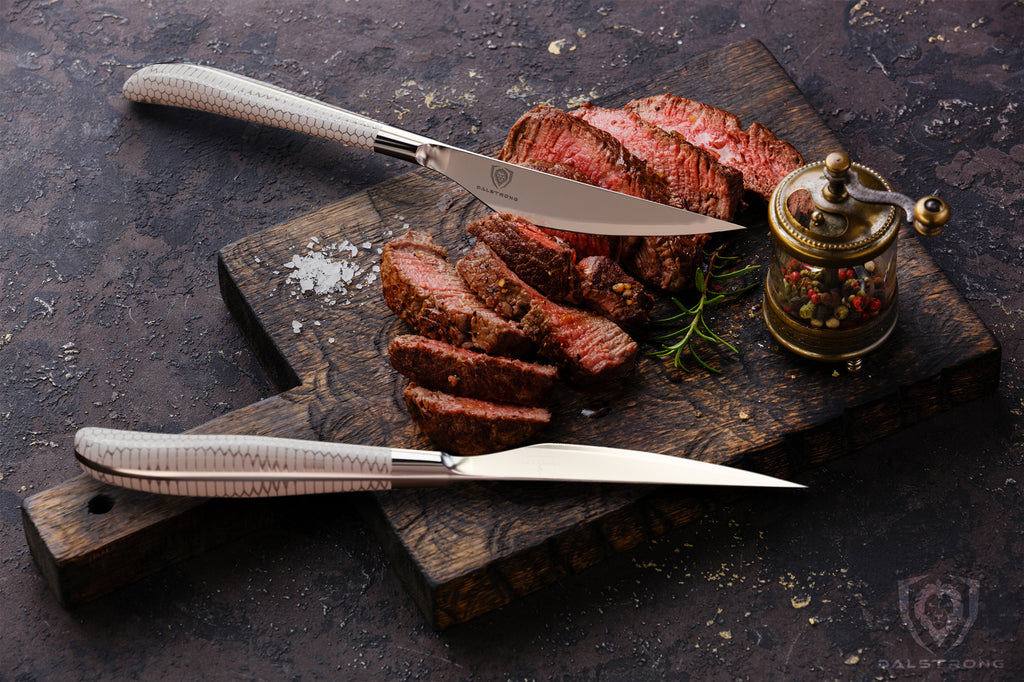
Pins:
x: 679, y: 344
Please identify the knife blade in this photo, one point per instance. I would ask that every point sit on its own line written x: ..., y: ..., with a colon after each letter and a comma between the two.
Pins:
x: 208, y: 465
x: 543, y: 199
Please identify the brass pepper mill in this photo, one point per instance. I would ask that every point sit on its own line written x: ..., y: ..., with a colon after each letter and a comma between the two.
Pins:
x: 831, y: 290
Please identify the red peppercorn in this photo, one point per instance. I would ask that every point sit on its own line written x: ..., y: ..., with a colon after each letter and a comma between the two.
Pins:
x: 875, y: 305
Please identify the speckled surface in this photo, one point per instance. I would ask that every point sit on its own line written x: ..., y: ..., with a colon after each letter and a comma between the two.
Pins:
x: 111, y: 315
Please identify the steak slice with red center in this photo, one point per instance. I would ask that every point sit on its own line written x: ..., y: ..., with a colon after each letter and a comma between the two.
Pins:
x: 548, y: 134
x: 467, y: 426
x: 442, y: 367
x: 697, y: 181
x: 591, y: 348
x: 425, y: 290
x: 762, y: 157
x: 553, y: 141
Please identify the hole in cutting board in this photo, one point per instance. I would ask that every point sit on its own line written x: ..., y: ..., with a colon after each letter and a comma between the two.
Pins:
x: 100, y: 504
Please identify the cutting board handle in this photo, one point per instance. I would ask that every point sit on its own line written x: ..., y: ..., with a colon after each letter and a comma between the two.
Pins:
x: 89, y: 538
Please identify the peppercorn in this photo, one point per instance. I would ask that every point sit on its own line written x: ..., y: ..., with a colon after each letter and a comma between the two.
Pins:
x: 807, y: 310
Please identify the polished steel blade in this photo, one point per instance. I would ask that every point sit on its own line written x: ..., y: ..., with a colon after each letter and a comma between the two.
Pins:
x: 559, y: 203
x: 595, y: 464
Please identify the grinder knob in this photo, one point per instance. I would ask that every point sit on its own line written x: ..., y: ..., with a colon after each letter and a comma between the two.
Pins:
x: 930, y: 216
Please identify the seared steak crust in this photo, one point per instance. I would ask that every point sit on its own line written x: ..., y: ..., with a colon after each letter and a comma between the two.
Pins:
x: 442, y: 367
x: 543, y: 262
x: 495, y: 283
x: 670, y: 262
x: 467, y: 426
x: 604, y: 287
x: 425, y: 290
x: 762, y: 157
x: 589, y: 347
x: 697, y: 181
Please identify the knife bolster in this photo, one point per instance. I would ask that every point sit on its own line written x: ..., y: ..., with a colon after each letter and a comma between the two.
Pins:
x: 398, y: 144
x: 416, y: 469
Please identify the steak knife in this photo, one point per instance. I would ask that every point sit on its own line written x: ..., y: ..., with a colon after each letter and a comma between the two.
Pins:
x: 204, y: 465
x: 543, y: 199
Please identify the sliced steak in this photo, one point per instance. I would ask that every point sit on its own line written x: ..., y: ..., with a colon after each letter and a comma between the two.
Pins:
x: 543, y: 262
x: 425, y: 290
x: 604, y: 287
x: 591, y: 348
x: 697, y: 181
x: 762, y: 157
x: 467, y: 426
x: 554, y: 141
x: 495, y: 282
x: 443, y: 367
x: 669, y: 262
x: 548, y: 134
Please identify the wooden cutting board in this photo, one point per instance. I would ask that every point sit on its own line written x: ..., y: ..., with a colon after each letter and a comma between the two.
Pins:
x: 465, y: 550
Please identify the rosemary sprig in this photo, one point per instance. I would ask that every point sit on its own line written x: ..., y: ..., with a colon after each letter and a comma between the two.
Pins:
x: 680, y: 344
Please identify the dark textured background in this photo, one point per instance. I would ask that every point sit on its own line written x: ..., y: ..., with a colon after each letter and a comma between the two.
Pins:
x: 111, y: 315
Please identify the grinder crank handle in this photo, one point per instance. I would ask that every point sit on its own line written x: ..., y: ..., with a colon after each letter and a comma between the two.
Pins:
x: 211, y: 90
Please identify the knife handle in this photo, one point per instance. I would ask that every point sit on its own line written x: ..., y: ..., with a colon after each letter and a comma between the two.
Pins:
x: 204, y: 88
x: 202, y: 465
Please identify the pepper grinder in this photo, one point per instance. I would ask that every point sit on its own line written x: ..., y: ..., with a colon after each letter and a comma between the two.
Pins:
x: 831, y: 289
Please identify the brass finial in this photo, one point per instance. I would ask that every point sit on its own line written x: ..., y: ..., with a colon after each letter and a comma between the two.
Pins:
x: 930, y: 215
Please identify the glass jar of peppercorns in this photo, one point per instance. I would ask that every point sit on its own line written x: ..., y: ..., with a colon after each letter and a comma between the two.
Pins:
x: 831, y: 289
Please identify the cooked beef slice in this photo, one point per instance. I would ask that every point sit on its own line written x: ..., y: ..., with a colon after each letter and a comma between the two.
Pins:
x: 756, y: 152
x: 669, y: 262
x: 591, y: 348
x: 551, y: 140
x: 495, y: 283
x: 467, y: 426
x: 441, y: 366
x: 548, y: 134
x: 697, y: 181
x: 604, y: 287
x: 425, y: 290
x: 542, y: 261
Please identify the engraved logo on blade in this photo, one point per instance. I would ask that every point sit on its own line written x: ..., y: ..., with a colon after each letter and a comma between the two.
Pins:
x: 500, y: 176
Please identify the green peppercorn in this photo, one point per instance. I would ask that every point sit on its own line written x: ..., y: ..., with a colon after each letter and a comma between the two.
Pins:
x: 841, y: 312
x: 807, y: 310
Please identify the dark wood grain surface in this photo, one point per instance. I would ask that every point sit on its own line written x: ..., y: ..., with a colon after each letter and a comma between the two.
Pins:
x: 465, y: 550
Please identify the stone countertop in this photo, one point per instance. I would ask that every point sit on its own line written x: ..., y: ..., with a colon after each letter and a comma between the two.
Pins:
x: 111, y: 222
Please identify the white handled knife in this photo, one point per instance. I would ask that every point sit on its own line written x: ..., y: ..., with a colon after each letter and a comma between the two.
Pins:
x: 201, y: 465
x: 543, y: 199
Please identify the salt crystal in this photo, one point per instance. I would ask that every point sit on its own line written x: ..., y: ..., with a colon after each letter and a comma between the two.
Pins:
x: 296, y: 326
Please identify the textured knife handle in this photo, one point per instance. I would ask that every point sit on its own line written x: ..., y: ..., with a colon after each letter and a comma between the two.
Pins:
x: 214, y: 91
x: 201, y: 465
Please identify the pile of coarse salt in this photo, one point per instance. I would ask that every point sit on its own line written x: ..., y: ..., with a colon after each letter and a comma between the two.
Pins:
x: 332, y: 271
